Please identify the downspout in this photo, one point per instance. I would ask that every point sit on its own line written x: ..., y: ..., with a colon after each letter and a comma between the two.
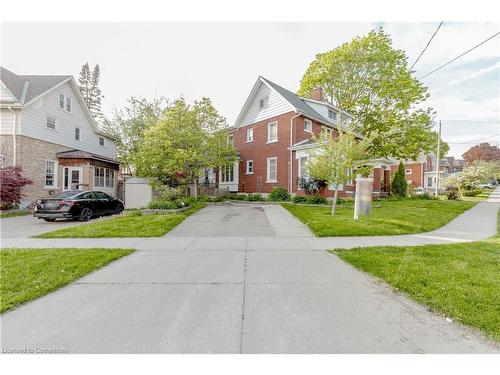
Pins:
x: 14, y: 145
x: 290, y: 182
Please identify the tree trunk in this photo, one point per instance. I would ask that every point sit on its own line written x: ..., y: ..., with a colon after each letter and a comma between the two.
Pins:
x: 334, y: 205
x: 195, y: 184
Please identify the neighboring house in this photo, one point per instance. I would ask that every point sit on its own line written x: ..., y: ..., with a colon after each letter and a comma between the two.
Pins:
x: 414, y: 171
x: 48, y: 131
x: 273, y: 134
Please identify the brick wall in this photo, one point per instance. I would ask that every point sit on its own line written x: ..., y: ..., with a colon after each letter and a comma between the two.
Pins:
x: 259, y: 151
x: 416, y: 175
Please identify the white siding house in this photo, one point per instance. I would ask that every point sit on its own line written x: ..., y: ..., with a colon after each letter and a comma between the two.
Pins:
x: 48, y: 131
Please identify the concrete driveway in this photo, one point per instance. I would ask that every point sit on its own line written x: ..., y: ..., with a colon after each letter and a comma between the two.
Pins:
x: 230, y: 294
x: 26, y: 226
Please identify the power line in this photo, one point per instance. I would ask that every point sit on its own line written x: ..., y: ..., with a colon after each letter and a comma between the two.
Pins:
x: 459, y: 56
x: 427, y: 45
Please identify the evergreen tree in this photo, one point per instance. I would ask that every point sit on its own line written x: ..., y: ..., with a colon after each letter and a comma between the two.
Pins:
x: 96, y: 93
x: 84, y: 83
x: 399, y: 185
x: 88, y: 84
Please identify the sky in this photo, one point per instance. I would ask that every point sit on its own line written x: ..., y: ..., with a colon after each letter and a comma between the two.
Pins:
x: 223, y: 60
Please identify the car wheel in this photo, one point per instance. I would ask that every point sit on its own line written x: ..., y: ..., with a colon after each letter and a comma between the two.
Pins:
x: 85, y: 215
x: 49, y: 220
x: 119, y: 208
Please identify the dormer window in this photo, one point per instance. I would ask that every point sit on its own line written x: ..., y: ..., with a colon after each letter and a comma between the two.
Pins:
x: 332, y: 115
x: 264, y: 102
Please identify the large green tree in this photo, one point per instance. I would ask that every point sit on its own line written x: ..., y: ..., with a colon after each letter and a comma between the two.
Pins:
x: 128, y: 125
x: 370, y: 79
x: 187, y: 140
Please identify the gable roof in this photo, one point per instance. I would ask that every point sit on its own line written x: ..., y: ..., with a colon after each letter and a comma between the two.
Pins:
x: 297, y: 103
x: 27, y: 87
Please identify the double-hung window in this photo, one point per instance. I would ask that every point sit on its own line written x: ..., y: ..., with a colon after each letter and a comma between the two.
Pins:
x: 303, y: 166
x: 65, y: 103
x: 272, y: 132
x: 249, y: 135
x: 249, y: 167
x: 408, y: 171
x: 110, y: 178
x: 101, y: 141
x: 77, y: 134
x: 99, y: 177
x: 50, y: 174
x: 307, y: 125
x: 230, y: 140
x: 272, y: 169
x: 51, y: 122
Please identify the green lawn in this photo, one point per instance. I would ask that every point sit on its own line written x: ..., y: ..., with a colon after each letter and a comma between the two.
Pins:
x: 13, y: 213
x: 31, y: 273
x: 132, y: 224
x: 461, y: 281
x: 387, y: 218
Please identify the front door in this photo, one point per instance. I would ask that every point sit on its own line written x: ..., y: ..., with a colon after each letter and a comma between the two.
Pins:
x: 72, y: 178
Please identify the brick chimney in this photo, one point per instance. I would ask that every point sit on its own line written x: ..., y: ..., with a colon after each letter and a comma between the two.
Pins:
x: 317, y: 94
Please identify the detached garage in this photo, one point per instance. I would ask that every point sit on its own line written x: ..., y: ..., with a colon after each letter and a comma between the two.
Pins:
x: 138, y: 192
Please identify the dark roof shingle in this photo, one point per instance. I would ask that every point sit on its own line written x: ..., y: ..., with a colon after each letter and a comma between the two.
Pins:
x: 37, y: 84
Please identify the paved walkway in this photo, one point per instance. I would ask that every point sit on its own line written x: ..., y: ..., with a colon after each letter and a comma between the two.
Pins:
x: 241, y: 294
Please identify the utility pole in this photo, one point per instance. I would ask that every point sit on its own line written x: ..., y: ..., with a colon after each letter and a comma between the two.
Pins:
x: 438, y: 157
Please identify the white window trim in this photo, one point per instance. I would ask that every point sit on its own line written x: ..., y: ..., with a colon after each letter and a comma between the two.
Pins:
x: 299, y: 174
x: 266, y: 102
x: 268, y: 178
x: 249, y: 131
x: 47, y: 120
x: 336, y: 115
x: 222, y: 172
x: 307, y: 121
x: 80, y: 178
x: 269, y: 132
x: 408, y: 169
x: 247, y: 170
x: 56, y: 167
x: 65, y: 101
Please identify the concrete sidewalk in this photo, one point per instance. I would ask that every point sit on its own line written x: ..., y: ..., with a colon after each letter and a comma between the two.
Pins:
x: 200, y: 233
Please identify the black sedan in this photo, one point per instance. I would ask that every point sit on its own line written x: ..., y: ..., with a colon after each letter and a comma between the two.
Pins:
x: 80, y: 205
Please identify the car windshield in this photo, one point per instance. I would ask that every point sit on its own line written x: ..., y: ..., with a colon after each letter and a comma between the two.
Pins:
x: 66, y: 194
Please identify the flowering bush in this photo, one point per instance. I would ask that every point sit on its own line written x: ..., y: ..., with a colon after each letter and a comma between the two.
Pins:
x: 11, y: 182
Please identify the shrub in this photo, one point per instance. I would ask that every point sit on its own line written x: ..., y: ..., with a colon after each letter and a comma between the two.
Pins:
x: 166, y: 192
x: 279, y: 194
x: 165, y: 204
x: 314, y: 199
x: 399, y: 185
x: 345, y: 201
x: 452, y: 193
x: 310, y: 185
x: 472, y: 192
x: 254, y: 198
x: 299, y: 199
x: 11, y: 184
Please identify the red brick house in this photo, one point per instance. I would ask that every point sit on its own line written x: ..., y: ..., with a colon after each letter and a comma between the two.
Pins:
x: 273, y: 134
